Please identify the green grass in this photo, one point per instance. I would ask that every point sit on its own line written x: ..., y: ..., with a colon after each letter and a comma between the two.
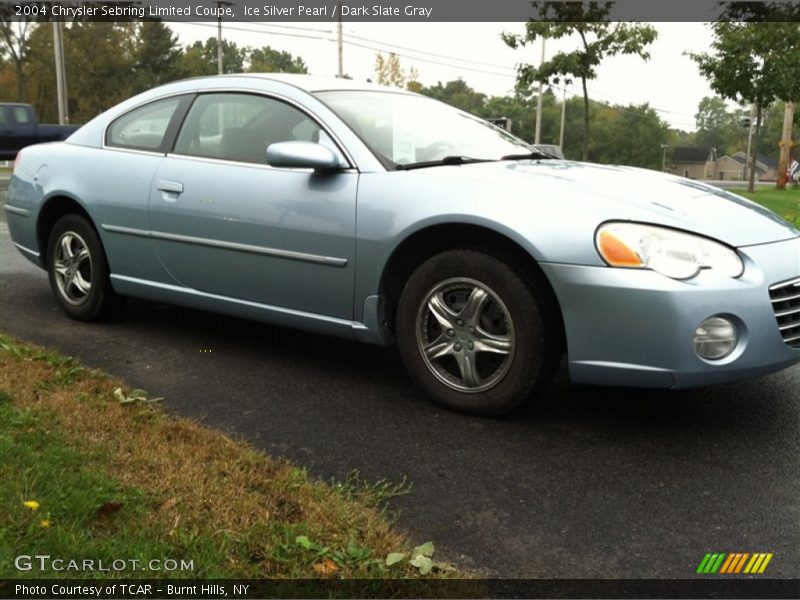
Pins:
x: 107, y: 475
x: 76, y: 516
x: 785, y: 203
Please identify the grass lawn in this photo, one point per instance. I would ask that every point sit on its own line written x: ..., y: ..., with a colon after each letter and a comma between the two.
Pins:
x: 786, y: 202
x: 90, y: 471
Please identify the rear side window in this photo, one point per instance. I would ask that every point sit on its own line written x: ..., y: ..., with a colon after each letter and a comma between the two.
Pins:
x: 143, y: 128
x: 22, y: 116
x: 2, y: 115
x: 239, y: 127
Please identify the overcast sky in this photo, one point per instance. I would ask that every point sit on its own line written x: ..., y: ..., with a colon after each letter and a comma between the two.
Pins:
x: 669, y: 81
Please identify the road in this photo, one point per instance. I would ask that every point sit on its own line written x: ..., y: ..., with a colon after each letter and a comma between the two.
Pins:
x: 590, y: 482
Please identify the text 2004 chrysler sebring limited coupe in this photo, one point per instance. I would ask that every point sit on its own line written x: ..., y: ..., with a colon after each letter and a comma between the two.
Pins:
x: 381, y: 215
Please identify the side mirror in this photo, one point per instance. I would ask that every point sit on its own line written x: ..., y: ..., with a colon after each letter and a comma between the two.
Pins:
x: 302, y: 155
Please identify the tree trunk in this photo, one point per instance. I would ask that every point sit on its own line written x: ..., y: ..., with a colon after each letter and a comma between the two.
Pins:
x: 585, y: 121
x: 751, y: 185
x: 22, y: 94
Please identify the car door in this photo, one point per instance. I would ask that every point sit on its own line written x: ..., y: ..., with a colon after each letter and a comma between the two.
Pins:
x: 226, y: 223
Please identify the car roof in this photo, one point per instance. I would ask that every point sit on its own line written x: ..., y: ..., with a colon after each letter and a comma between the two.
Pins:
x: 312, y: 83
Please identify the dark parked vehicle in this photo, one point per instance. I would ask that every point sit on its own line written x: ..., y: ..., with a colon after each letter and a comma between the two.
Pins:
x: 19, y: 127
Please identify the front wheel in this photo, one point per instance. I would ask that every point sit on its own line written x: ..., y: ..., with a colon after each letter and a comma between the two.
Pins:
x: 78, y: 270
x: 474, y: 334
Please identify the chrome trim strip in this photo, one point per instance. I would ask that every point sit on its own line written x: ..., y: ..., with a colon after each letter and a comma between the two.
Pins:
x: 329, y: 261
x: 786, y: 313
x: 131, y: 150
x: 27, y: 250
x: 778, y: 286
x: 250, y: 303
x: 17, y: 210
x: 125, y: 230
x: 784, y: 299
x: 789, y: 326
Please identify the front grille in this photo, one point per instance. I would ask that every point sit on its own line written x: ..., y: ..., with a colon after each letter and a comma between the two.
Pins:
x: 785, y: 298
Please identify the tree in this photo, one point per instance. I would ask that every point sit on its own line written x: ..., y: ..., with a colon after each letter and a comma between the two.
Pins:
x: 521, y: 111
x: 457, y: 93
x: 754, y: 63
x: 14, y: 35
x: 98, y: 52
x: 157, y: 55
x: 716, y: 126
x: 389, y: 71
x: 267, y: 60
x: 630, y: 135
x: 599, y: 39
x: 99, y: 58
x: 201, y: 58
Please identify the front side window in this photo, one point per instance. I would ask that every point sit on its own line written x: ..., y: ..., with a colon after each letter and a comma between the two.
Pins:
x: 239, y: 127
x: 143, y: 128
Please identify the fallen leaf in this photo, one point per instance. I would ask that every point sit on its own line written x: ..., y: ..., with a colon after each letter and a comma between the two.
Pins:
x: 109, y: 508
x: 326, y: 566
x: 422, y: 563
x: 169, y: 503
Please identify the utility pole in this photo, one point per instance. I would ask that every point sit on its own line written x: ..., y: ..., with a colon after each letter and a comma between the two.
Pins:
x: 220, y: 4
x: 61, y: 76
x: 749, y: 141
x: 563, y: 117
x: 339, y: 44
x: 785, y: 144
x: 538, y: 134
x: 664, y: 157
x: 219, y: 43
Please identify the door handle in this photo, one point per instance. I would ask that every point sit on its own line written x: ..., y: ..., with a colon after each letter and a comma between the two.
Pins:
x: 170, y: 187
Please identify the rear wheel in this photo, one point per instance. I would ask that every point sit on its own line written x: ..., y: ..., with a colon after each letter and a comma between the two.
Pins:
x: 474, y: 333
x: 78, y: 270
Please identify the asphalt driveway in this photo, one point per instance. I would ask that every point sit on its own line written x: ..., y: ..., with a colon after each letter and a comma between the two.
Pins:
x: 591, y: 482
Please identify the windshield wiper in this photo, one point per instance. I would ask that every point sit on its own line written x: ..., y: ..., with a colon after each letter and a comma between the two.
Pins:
x: 447, y: 160
x: 538, y: 154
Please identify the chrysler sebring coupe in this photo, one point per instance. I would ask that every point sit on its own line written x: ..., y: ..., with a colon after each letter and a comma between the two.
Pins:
x: 387, y: 217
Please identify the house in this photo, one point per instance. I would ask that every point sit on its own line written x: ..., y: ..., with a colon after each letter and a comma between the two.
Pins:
x: 693, y: 162
x: 696, y: 162
x: 766, y: 167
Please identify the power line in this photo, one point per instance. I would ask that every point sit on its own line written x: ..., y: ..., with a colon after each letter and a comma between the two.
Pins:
x: 386, y: 47
x: 453, y: 58
x: 358, y: 45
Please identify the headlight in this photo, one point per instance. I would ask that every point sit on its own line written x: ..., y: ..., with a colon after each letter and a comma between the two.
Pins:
x: 672, y: 253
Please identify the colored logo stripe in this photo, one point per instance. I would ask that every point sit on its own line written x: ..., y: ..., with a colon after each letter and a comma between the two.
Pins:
x: 711, y: 563
x: 723, y: 563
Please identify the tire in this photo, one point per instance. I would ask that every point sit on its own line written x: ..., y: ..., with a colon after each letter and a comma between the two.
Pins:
x: 475, y: 333
x: 78, y: 270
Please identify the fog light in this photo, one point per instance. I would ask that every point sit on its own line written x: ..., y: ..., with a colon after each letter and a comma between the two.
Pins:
x: 715, y: 338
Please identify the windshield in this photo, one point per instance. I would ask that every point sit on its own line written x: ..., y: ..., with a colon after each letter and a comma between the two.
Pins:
x: 404, y: 129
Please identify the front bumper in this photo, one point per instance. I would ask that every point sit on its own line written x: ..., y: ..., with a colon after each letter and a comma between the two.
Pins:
x: 632, y: 327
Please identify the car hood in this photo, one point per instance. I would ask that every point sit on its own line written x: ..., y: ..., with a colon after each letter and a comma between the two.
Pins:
x: 605, y: 192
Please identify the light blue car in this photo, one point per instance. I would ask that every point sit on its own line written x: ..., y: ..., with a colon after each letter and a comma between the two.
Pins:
x: 380, y: 215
